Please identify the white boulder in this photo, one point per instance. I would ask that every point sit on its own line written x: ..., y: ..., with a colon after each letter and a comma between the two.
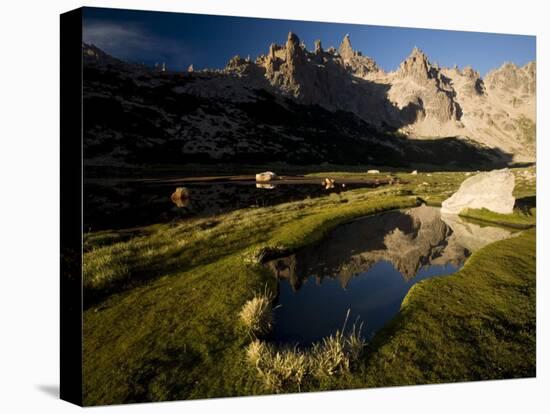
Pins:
x: 491, y: 190
x: 373, y: 172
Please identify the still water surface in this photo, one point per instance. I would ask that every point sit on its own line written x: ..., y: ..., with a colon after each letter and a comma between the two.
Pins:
x: 368, y: 266
x: 112, y: 204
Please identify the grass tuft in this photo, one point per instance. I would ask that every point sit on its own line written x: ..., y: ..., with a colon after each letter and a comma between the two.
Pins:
x: 330, y: 357
x: 285, y: 369
x: 279, y: 370
x: 355, y: 343
x: 255, y: 352
x: 257, y: 313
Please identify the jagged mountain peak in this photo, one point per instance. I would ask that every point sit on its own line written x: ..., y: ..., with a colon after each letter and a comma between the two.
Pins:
x: 530, y: 67
x: 510, y: 77
x: 470, y: 72
x: 346, y: 50
x: 318, y: 48
x: 512, y: 69
x: 93, y: 55
x: 420, y: 99
x: 293, y: 38
x: 293, y: 45
x: 417, y: 53
x: 416, y: 65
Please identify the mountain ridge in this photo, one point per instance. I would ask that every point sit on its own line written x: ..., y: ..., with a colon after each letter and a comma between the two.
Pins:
x: 419, y: 99
x: 493, y: 117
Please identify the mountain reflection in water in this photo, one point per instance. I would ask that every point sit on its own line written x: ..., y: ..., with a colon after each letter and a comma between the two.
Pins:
x: 368, y: 266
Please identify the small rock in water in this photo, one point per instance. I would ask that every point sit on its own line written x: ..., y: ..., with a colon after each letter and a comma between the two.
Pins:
x: 266, y: 176
x: 180, y: 197
x: 491, y: 190
x: 328, y: 183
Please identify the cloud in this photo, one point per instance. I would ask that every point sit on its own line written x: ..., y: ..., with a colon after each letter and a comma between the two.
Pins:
x: 135, y: 43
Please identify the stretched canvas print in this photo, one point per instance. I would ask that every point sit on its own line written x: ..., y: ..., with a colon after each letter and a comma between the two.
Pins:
x: 257, y: 206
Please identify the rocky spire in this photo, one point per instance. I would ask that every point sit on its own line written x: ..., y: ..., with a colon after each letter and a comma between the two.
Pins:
x: 470, y: 72
x: 417, y: 52
x: 292, y: 40
x: 530, y: 67
x: 318, y: 47
x: 345, y: 50
x: 510, y: 76
x: 294, y: 52
x: 416, y: 65
x: 272, y: 48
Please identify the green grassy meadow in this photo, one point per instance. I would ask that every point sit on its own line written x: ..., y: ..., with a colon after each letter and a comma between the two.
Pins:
x: 162, y: 302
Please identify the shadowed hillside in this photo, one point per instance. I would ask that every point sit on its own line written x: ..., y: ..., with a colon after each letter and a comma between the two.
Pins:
x: 137, y: 116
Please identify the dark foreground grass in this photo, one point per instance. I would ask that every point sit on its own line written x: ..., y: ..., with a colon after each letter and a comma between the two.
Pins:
x: 164, y: 322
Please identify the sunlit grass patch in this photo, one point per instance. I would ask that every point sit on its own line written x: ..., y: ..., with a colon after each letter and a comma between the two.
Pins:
x: 257, y: 313
x: 479, y: 323
x: 336, y: 353
x: 279, y: 370
x: 518, y: 219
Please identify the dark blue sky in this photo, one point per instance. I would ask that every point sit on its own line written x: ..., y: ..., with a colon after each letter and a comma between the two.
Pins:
x: 210, y: 41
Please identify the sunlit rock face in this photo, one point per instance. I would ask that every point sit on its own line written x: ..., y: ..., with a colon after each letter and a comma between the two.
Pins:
x: 421, y: 98
x: 490, y: 190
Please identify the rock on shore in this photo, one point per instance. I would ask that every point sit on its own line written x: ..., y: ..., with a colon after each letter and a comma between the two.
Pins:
x: 491, y: 190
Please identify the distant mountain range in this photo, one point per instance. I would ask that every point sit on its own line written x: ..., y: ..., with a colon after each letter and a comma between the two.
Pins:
x: 298, y: 106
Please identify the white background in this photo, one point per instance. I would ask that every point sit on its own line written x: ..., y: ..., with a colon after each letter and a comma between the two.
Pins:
x: 29, y: 206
